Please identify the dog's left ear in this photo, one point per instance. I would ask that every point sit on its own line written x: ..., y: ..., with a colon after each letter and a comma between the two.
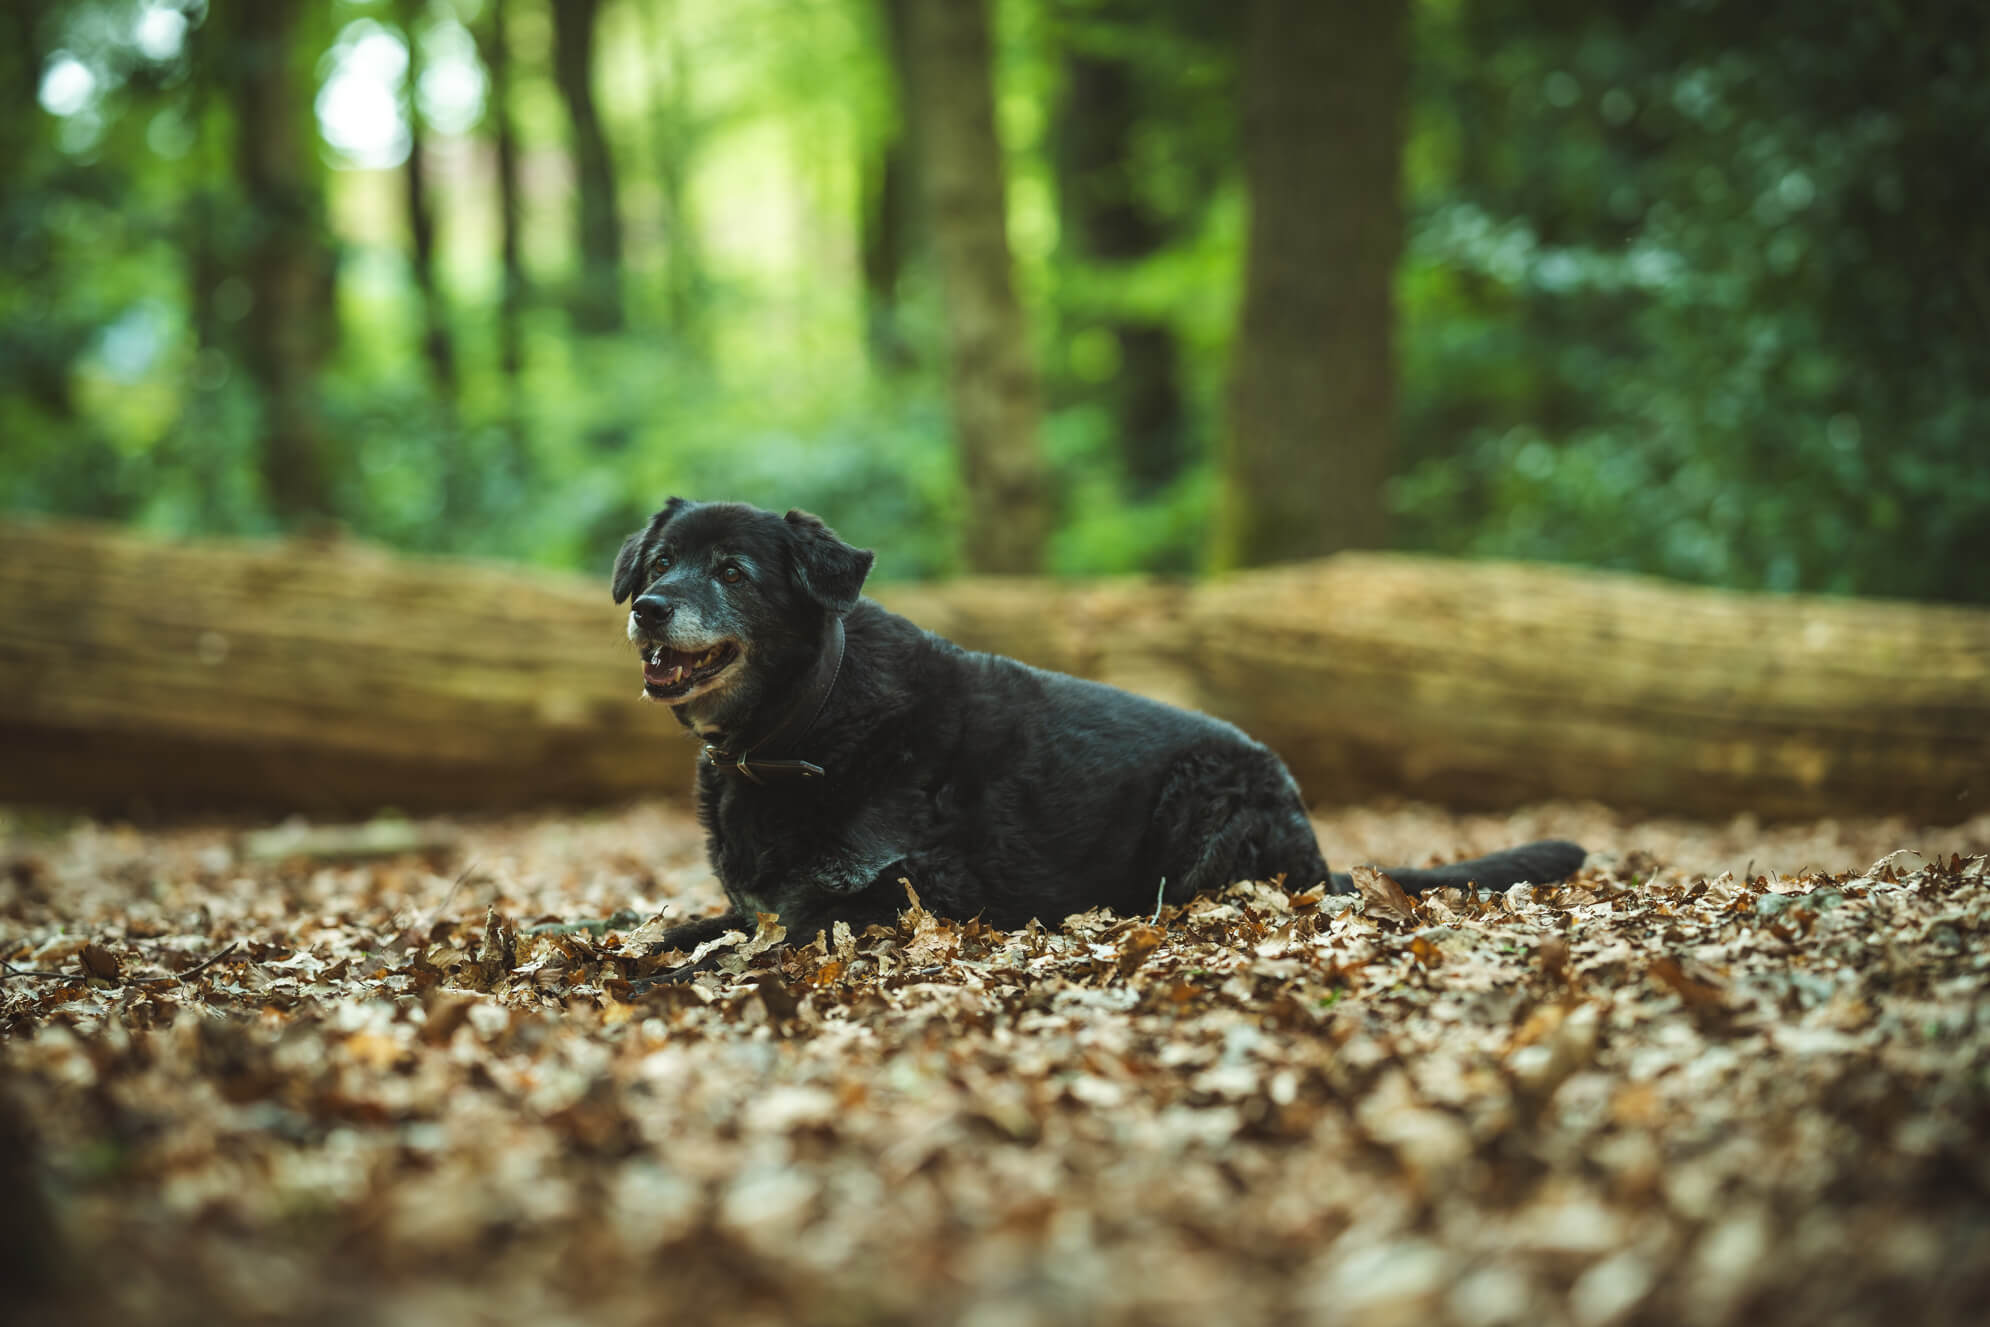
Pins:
x: 634, y: 557
x: 629, y: 564
x: 828, y: 570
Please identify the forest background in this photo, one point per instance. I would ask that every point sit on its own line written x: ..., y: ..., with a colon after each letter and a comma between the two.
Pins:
x: 1697, y: 289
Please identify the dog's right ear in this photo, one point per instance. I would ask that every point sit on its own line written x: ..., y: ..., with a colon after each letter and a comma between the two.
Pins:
x: 830, y: 571
x: 629, y: 563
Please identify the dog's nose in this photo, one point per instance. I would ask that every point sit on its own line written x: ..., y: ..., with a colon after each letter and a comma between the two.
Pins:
x: 653, y: 612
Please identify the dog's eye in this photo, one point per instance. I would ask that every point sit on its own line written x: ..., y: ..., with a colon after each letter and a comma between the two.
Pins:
x: 662, y: 564
x: 731, y: 574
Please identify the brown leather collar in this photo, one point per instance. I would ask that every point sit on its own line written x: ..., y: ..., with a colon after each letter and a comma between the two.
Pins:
x: 794, y: 725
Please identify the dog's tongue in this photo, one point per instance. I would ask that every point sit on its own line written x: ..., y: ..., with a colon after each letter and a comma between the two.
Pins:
x: 665, y: 666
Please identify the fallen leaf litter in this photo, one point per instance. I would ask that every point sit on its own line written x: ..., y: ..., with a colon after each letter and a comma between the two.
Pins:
x: 418, y: 1089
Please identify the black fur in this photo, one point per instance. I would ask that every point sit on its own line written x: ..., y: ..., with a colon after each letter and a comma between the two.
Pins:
x: 999, y: 790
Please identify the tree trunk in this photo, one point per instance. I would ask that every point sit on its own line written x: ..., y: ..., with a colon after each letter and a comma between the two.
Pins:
x: 951, y: 106
x: 883, y: 240
x: 676, y: 131
x: 287, y: 264
x: 494, y: 48
x: 201, y: 228
x: 1312, y: 407
x: 884, y: 217
x: 25, y: 46
x: 438, y: 348
x: 1108, y: 224
x: 598, y: 303
x: 332, y: 678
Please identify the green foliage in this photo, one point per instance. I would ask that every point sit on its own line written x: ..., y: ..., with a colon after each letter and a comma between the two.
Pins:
x: 1706, y: 295
x: 1701, y: 291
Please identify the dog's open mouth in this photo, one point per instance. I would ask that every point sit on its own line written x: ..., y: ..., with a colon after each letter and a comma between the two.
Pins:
x: 671, y: 674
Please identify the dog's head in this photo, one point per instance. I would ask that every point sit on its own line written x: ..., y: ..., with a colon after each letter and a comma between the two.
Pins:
x: 728, y: 599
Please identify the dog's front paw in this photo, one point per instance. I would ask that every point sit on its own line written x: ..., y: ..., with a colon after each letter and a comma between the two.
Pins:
x: 854, y: 877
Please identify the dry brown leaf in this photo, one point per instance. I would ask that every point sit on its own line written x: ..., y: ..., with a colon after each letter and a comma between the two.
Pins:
x: 767, y: 933
x: 498, y: 952
x: 1700, y: 992
x: 1135, y: 946
x: 1553, y: 956
x: 1381, y: 896
x: 100, y: 962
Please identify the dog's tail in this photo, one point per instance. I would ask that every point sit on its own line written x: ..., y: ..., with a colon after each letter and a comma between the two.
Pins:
x: 1539, y: 863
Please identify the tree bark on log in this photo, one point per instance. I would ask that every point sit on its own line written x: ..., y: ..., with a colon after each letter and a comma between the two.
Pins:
x: 333, y: 678
x: 324, y: 676
x: 1494, y: 684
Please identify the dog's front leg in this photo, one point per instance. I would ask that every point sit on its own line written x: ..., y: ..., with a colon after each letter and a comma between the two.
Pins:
x: 843, y: 881
x: 855, y: 881
x: 871, y: 848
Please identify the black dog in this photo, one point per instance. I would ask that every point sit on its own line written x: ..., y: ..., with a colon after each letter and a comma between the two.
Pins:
x: 847, y: 748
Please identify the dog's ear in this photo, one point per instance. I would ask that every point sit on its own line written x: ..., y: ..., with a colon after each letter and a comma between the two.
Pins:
x: 634, y: 557
x: 629, y: 565
x: 828, y: 570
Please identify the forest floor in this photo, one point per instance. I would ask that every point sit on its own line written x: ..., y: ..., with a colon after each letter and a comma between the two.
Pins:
x: 1727, y: 1074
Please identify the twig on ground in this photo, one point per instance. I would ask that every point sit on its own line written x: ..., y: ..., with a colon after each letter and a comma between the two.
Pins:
x: 204, y: 964
x: 13, y: 971
x: 1158, y: 894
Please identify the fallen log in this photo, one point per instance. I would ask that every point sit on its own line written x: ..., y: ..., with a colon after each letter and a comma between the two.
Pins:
x: 1493, y: 684
x: 324, y: 676
x: 334, y: 678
